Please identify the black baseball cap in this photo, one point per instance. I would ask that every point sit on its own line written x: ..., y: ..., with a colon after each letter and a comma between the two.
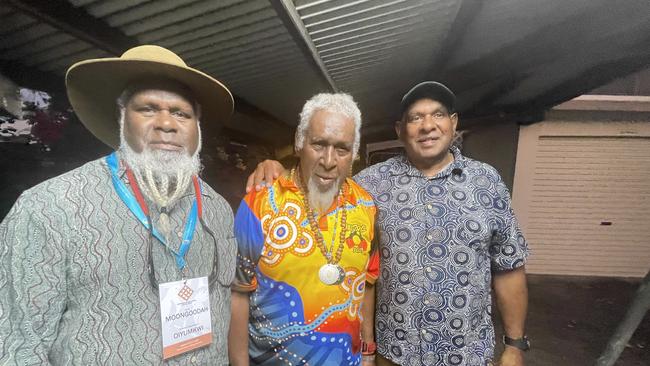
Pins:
x: 431, y: 90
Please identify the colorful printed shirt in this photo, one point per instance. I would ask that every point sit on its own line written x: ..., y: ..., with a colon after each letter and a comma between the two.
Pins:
x: 295, y: 319
x: 440, y: 239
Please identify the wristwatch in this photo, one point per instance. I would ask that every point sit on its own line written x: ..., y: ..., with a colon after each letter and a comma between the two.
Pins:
x: 522, y: 343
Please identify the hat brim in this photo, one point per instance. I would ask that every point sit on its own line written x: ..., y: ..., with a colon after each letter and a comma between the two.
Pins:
x: 93, y: 87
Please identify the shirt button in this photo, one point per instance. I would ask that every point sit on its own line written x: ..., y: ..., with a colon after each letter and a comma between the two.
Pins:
x: 429, y: 206
x: 429, y: 237
x: 426, y: 302
x: 424, y: 331
x: 193, y: 359
x: 179, y: 234
x: 428, y: 269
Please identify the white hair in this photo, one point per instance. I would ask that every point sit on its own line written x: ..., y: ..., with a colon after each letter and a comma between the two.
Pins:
x: 336, y: 103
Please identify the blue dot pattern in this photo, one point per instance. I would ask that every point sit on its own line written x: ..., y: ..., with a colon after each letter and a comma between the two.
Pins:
x: 440, y: 238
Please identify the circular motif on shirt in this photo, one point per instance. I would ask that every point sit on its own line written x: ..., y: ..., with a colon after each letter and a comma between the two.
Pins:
x: 419, y: 279
x: 432, y: 316
x: 402, y: 197
x: 433, y: 299
x: 436, y: 251
x: 462, y: 256
x: 456, y: 323
x: 462, y: 278
x: 481, y: 181
x: 475, y: 279
x: 499, y: 204
x: 473, y: 226
x: 403, y: 234
x: 381, y: 325
x: 459, y: 301
x: 400, y: 334
x: 459, y: 178
x: 509, y: 250
x: 430, y: 358
x: 398, y: 317
x: 283, y: 233
x: 383, y: 308
x: 434, y: 273
x: 402, y: 257
x: 437, y: 210
x: 413, y: 337
x: 483, y: 197
x: 404, y: 277
x: 455, y: 359
x: 385, y: 186
x: 401, y: 297
x: 459, y: 195
x: 404, y: 180
x: 458, y: 341
x: 396, y: 350
x: 420, y: 213
x: 434, y: 190
x: 384, y: 197
x: 405, y: 213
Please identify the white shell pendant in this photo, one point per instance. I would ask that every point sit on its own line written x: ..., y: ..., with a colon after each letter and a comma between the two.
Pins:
x: 331, y: 274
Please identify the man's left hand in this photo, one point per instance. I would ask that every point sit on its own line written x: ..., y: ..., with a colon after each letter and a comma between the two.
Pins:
x: 511, y: 356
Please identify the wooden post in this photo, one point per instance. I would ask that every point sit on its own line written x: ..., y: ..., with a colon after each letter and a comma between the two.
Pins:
x: 626, y: 328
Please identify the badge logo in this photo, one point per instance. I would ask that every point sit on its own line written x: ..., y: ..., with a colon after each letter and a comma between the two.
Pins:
x: 185, y: 293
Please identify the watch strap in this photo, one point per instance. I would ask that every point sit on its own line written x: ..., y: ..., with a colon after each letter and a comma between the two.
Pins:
x: 522, y: 343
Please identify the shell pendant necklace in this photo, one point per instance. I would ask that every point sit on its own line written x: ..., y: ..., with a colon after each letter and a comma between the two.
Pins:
x: 331, y: 273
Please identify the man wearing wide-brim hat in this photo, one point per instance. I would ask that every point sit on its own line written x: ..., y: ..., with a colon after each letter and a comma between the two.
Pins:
x: 127, y: 259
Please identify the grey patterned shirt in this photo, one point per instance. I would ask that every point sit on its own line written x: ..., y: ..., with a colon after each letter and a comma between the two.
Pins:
x: 440, y: 239
x: 74, y: 288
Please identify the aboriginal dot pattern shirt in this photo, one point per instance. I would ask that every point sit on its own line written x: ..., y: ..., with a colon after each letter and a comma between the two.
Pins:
x: 294, y: 318
x: 440, y: 240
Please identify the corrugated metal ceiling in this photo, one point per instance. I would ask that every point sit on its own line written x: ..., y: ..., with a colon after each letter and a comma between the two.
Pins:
x: 275, y: 54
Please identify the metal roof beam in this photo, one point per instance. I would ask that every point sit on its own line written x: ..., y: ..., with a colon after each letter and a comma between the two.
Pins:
x: 78, y: 23
x: 291, y: 19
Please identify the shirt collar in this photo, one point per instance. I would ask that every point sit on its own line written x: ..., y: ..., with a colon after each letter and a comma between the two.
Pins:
x: 402, y: 166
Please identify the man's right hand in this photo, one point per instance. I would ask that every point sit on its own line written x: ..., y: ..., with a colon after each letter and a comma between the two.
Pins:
x: 265, y: 174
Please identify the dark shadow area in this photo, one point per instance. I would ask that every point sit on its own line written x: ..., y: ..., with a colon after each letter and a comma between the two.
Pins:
x: 571, y: 318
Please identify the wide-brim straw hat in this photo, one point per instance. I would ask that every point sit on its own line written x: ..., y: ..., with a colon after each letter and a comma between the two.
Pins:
x: 94, y: 85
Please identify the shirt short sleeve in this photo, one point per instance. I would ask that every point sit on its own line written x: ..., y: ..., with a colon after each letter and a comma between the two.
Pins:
x: 250, y: 241
x: 509, y: 248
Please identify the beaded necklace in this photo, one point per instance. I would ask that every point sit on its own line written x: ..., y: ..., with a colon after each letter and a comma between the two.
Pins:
x: 332, y: 260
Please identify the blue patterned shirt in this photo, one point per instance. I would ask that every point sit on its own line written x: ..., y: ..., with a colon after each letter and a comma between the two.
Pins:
x: 440, y: 239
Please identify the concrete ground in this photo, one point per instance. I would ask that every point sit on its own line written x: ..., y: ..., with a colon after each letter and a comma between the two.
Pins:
x: 570, y: 320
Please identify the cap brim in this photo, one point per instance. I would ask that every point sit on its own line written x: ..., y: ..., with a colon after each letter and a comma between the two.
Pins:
x: 93, y: 87
x: 431, y: 90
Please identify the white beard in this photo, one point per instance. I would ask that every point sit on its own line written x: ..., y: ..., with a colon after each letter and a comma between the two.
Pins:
x: 319, y: 200
x: 163, y: 176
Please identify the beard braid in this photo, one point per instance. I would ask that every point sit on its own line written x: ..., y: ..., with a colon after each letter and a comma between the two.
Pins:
x: 164, y: 176
x: 319, y: 200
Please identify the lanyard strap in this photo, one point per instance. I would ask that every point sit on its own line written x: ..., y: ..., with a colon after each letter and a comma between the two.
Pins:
x: 138, y: 207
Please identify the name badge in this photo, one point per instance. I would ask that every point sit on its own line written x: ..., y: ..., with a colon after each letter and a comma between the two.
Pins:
x: 185, y: 315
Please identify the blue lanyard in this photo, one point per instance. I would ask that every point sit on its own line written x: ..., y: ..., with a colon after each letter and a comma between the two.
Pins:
x: 130, y: 201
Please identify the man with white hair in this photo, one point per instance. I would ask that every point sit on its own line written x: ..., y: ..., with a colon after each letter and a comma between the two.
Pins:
x: 127, y: 259
x: 305, y: 260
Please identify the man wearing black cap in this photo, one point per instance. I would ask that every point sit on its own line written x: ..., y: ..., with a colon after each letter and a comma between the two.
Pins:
x: 447, y: 234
